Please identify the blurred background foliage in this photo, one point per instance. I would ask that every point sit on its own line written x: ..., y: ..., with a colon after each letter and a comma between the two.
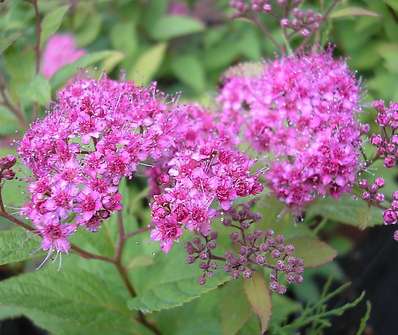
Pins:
x: 186, y: 46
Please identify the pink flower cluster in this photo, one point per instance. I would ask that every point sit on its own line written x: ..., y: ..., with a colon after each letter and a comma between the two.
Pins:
x: 60, y: 50
x: 371, y: 192
x: 205, y: 172
x: 96, y: 134
x: 300, y: 114
x: 387, y: 141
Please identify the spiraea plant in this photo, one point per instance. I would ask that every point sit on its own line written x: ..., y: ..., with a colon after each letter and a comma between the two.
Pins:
x: 141, y: 208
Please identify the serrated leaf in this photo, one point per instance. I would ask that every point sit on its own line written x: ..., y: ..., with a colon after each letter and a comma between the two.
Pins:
x: 314, y: 252
x: 51, y: 23
x: 66, y: 72
x: 71, y: 301
x: 39, y: 90
x: 173, y: 294
x: 147, y: 64
x: 169, y: 27
x: 347, y: 210
x: 259, y: 297
x: 198, y: 317
x: 352, y: 11
x: 235, y: 310
x: 17, y: 245
x: 190, y: 71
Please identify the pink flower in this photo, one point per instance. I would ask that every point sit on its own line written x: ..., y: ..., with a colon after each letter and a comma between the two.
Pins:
x: 167, y: 232
x: 55, y: 236
x: 60, y: 50
x: 89, y: 202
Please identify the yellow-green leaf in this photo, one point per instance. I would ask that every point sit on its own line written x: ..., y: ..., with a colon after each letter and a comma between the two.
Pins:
x: 147, y: 64
x: 51, y: 23
x: 352, y: 11
x: 169, y: 27
x: 313, y: 251
x: 259, y: 297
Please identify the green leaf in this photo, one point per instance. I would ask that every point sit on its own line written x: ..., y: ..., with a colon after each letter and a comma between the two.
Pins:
x: 169, y: 27
x: 17, y: 245
x: 124, y: 37
x: 51, y: 23
x: 347, y: 210
x: 147, y: 64
x: 91, y: 28
x: 190, y: 71
x: 6, y: 42
x: 70, y: 302
x: 259, y: 297
x: 392, y: 3
x: 39, y: 90
x: 235, y: 310
x: 250, y: 45
x: 282, y: 307
x: 170, y: 281
x: 112, y: 61
x: 154, y: 10
x: 173, y: 294
x: 352, y: 11
x: 8, y: 121
x: 198, y: 317
x: 313, y: 251
x: 66, y: 72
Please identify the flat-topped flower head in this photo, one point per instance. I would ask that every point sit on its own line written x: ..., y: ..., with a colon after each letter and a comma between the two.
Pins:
x: 95, y: 134
x: 301, y: 112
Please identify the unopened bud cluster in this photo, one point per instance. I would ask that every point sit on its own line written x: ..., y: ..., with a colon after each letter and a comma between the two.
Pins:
x: 6, y: 165
x: 371, y: 192
x: 386, y: 142
x: 251, y: 249
x: 265, y: 249
x: 200, y: 249
x: 290, y: 16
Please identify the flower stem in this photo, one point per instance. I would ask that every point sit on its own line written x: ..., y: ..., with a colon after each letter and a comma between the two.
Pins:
x: 38, y: 35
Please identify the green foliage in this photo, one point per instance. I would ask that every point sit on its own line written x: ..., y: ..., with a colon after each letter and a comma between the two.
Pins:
x: 69, y: 70
x: 17, y: 245
x: 257, y: 293
x: 169, y: 27
x: 39, y: 90
x: 51, y: 23
x: 71, y: 301
x: 147, y: 64
x: 170, y: 282
x: 347, y: 210
x: 365, y: 318
x: 305, y: 246
x: 235, y: 308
